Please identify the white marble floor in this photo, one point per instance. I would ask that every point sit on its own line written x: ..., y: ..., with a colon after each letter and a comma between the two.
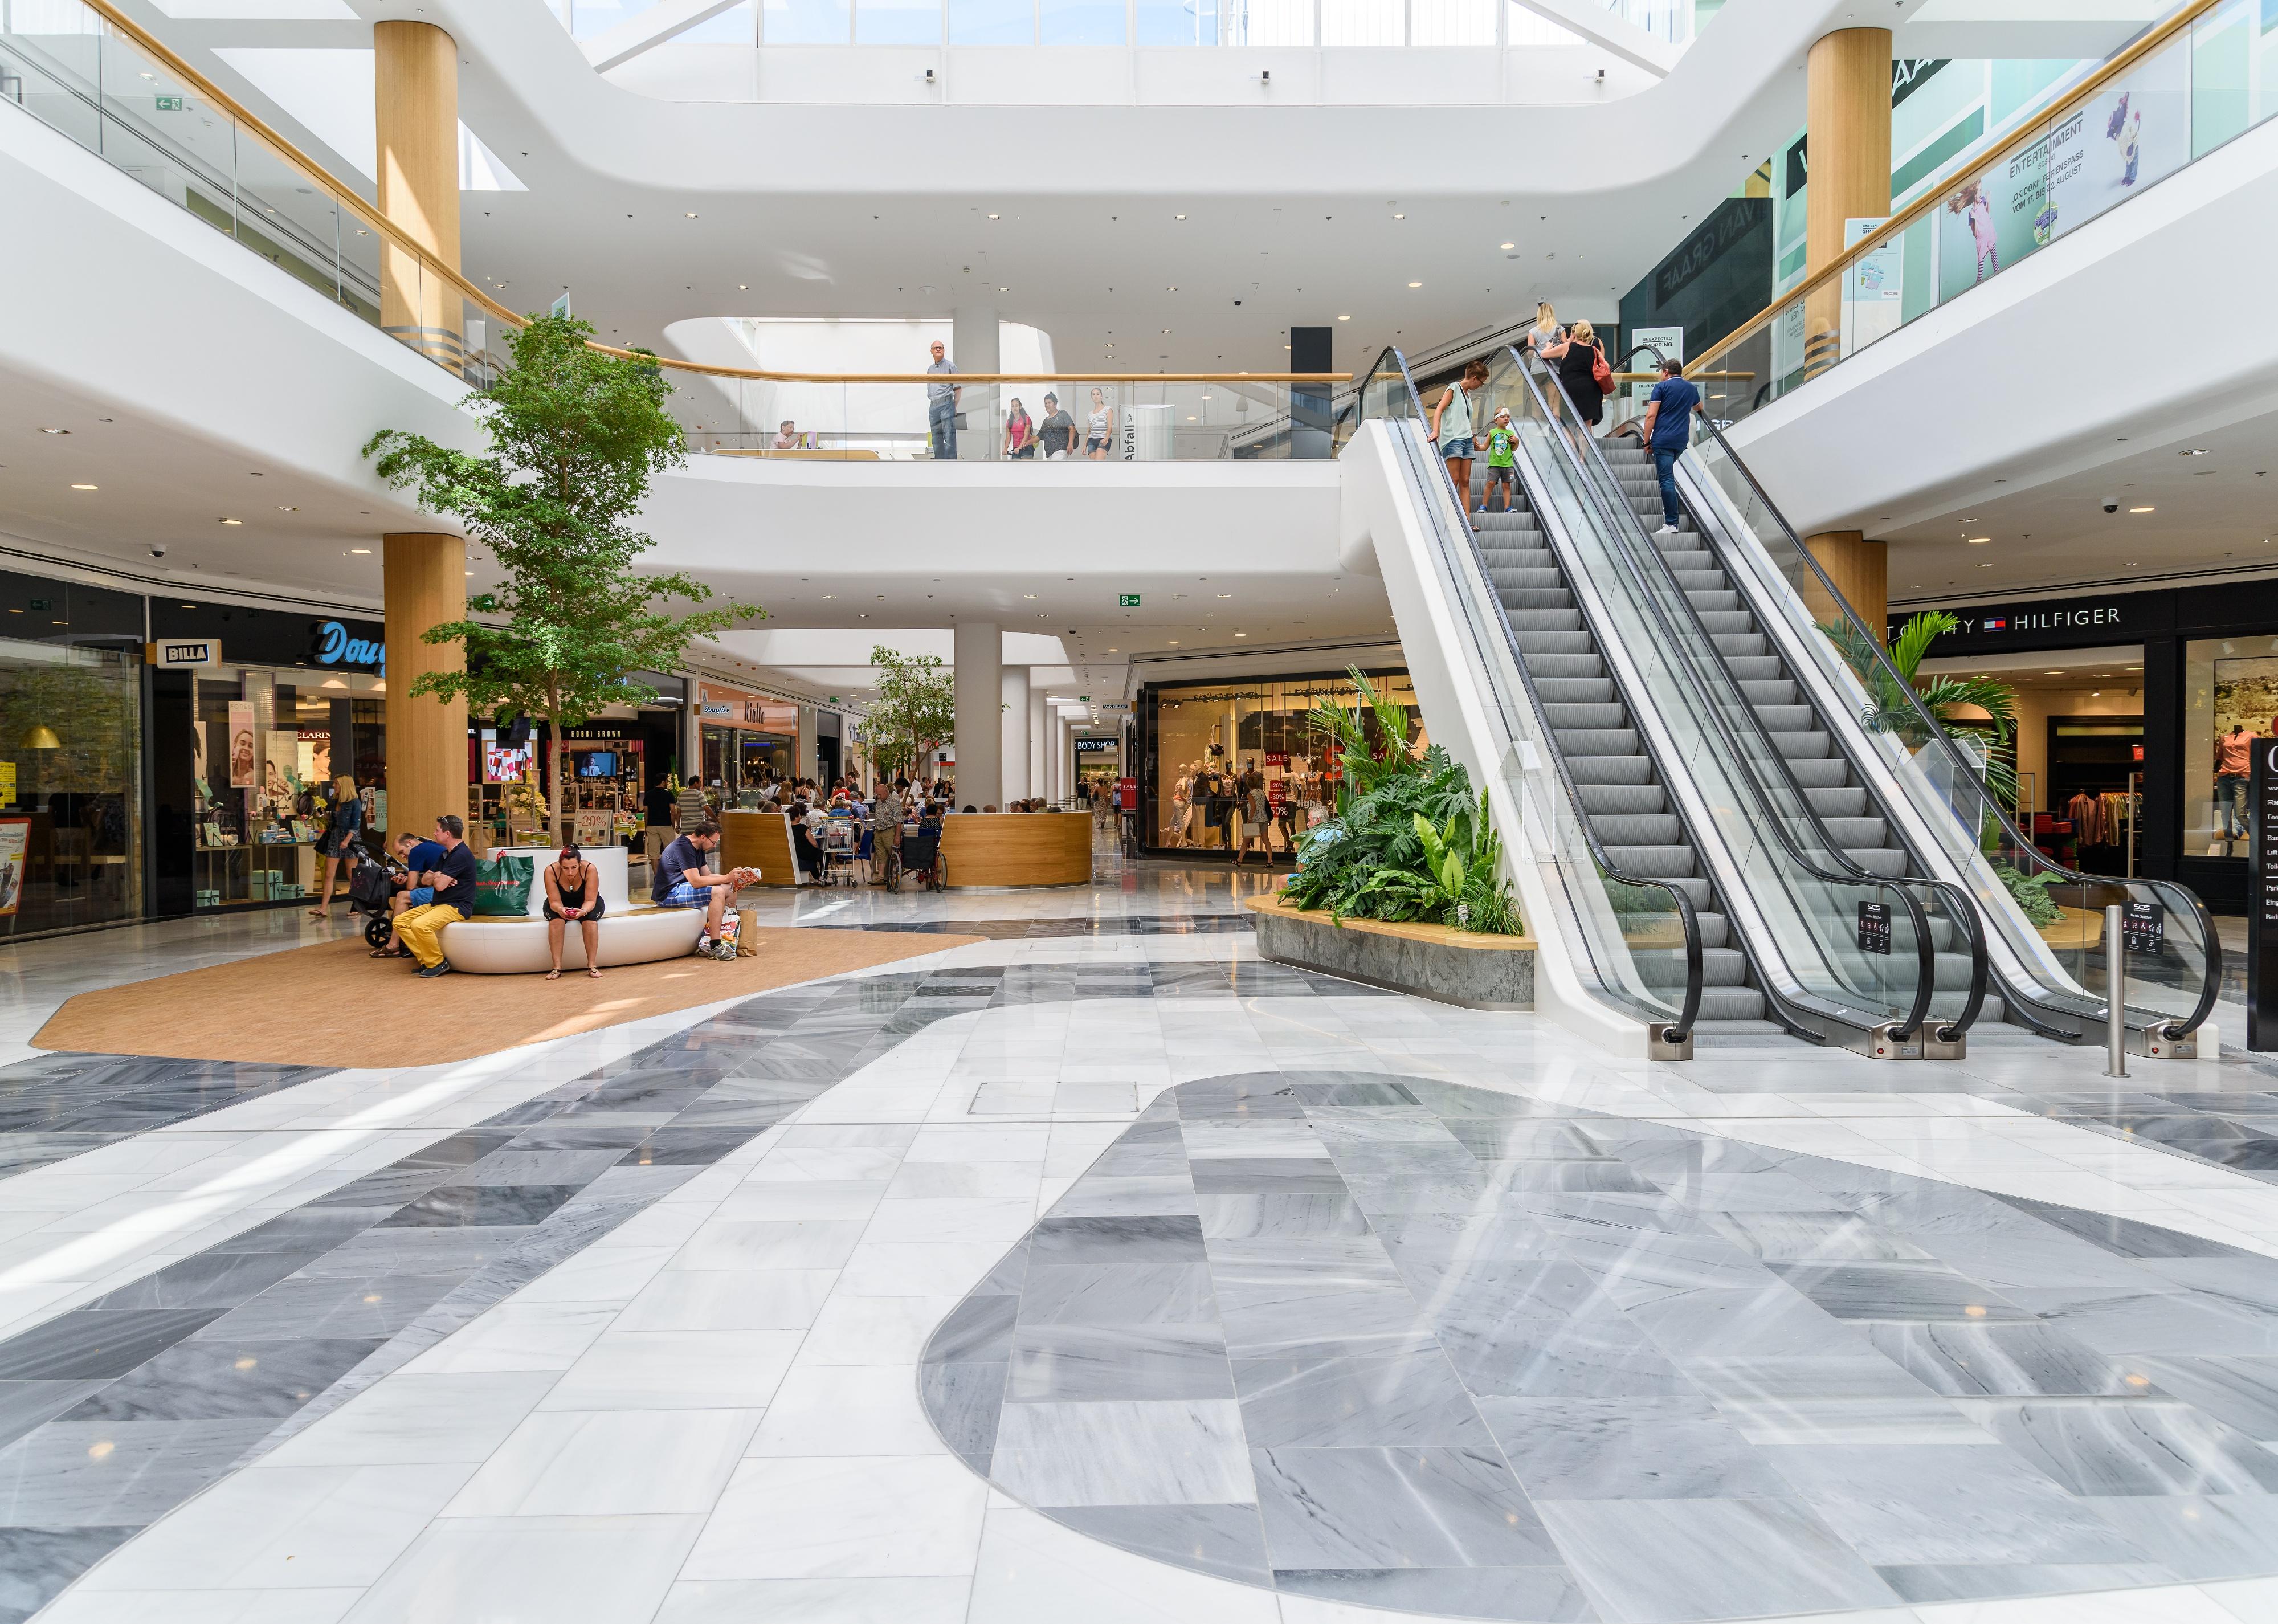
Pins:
x: 711, y: 1410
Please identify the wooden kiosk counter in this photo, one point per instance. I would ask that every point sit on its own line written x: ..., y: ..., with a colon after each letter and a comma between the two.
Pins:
x: 978, y: 849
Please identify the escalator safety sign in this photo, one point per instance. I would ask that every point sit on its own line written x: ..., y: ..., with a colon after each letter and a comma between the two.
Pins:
x: 1875, y: 927
x: 2142, y: 927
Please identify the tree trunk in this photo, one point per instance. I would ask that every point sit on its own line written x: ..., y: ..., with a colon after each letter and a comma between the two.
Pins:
x: 554, y: 803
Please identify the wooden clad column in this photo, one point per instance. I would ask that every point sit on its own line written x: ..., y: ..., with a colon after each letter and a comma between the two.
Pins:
x: 426, y: 586
x: 1848, y: 95
x: 415, y: 82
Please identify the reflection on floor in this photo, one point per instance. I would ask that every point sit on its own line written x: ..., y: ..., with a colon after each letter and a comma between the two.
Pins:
x: 653, y: 1308
x: 1404, y: 1343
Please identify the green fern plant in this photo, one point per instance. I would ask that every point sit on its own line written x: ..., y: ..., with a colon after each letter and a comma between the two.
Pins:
x: 1889, y: 710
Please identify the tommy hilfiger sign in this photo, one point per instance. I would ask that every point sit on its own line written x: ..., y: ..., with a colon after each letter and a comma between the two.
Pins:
x: 1986, y: 628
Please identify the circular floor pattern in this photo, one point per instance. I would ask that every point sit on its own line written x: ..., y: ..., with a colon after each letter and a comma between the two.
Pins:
x: 1418, y: 1346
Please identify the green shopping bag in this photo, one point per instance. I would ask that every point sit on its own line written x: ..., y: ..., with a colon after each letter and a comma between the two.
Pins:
x: 502, y: 885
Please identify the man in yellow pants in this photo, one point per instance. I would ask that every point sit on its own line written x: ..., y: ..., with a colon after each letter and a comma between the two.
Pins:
x: 453, y: 877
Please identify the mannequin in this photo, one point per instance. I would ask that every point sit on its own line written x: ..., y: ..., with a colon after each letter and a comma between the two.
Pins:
x: 1177, y: 827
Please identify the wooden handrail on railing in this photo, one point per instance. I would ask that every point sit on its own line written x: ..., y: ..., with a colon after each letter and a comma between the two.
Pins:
x: 2033, y: 129
x: 347, y: 198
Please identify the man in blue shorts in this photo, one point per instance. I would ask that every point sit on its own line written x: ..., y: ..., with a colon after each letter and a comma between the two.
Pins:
x: 683, y: 880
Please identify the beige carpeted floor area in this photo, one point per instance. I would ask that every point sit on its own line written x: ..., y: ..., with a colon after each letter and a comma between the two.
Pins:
x: 331, y: 1004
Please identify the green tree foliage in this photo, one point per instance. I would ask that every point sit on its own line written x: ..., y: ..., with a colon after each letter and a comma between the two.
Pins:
x: 915, y: 712
x: 576, y: 435
x: 1410, y: 841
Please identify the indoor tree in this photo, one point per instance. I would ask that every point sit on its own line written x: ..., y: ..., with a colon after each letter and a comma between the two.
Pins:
x: 915, y: 712
x: 576, y: 435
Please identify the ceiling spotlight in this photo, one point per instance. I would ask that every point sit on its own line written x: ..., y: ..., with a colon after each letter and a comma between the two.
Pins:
x: 691, y: 214
x: 1344, y: 319
x: 83, y: 487
x: 1416, y: 284
x: 1399, y: 217
x: 50, y: 431
x: 992, y: 216
x: 289, y: 509
x: 742, y: 287
x: 359, y: 549
x: 1181, y: 217
x: 1979, y: 540
x: 232, y: 521
x: 2139, y: 509
x: 1507, y: 246
x: 2199, y: 451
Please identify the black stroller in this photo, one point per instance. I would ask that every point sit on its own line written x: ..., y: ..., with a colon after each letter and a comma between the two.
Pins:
x: 371, y: 891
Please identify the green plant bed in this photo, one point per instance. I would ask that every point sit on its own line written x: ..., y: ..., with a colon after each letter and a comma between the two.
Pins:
x: 1411, y: 843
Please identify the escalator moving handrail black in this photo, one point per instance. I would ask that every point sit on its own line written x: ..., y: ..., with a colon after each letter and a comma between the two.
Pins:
x: 2212, y: 985
x: 1618, y: 524
x: 1695, y: 962
x: 1958, y: 902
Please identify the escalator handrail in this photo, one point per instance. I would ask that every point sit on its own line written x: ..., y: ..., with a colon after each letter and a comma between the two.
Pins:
x: 1681, y: 1029
x: 1618, y: 524
x: 1958, y: 901
x: 2211, y: 987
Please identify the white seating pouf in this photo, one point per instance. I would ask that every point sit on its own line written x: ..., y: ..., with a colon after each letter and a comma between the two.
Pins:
x: 629, y: 934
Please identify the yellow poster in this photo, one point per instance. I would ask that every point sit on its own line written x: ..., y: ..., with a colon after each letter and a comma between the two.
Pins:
x: 14, y: 832
x: 7, y: 784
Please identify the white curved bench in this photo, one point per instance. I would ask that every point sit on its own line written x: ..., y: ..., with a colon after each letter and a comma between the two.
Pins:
x: 629, y: 934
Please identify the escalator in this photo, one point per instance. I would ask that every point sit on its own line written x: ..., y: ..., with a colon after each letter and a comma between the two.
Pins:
x: 1621, y: 693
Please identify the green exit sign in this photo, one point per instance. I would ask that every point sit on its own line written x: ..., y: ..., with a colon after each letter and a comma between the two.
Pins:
x: 1129, y: 600
x: 172, y: 104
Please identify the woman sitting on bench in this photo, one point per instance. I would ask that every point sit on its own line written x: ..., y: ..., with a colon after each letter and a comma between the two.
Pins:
x: 573, y: 891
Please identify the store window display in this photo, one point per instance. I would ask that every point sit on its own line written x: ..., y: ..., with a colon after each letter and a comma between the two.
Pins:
x: 1208, y: 739
x: 2230, y: 703
x: 268, y: 749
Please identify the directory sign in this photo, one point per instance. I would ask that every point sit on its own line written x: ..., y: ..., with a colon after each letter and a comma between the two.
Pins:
x: 2262, y: 904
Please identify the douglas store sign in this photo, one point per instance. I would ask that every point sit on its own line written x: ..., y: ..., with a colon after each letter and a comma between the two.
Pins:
x: 1989, y: 628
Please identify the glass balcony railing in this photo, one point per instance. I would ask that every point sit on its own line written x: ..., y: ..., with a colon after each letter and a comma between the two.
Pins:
x: 2198, y: 80
x: 89, y: 73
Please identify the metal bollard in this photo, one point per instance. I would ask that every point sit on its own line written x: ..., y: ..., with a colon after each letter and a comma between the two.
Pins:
x: 2115, y: 992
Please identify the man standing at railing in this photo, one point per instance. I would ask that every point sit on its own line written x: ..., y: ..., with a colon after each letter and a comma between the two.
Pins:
x: 1668, y: 431
x: 941, y: 409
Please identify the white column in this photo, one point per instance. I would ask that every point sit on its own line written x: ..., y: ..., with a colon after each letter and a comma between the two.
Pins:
x: 973, y: 347
x: 978, y: 652
x: 1067, y: 755
x: 1016, y: 735
x: 1040, y: 781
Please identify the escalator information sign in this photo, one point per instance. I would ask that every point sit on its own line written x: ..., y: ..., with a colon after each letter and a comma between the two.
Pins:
x: 2262, y: 903
x: 1875, y: 927
x: 2142, y: 927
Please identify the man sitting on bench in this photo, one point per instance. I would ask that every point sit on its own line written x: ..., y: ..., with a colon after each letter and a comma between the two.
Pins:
x: 683, y: 881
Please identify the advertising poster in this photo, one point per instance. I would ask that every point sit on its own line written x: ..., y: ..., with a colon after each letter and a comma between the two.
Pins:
x: 592, y: 828
x: 1873, y: 287
x: 244, y: 767
x: 1669, y: 341
x: 15, y: 832
x: 2135, y: 132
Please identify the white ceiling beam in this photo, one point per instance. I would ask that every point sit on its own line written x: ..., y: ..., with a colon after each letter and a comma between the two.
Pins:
x: 668, y: 19
x: 2046, y: 30
x: 1617, y: 35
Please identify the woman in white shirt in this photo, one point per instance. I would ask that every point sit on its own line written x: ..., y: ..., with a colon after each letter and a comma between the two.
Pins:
x: 1099, y: 427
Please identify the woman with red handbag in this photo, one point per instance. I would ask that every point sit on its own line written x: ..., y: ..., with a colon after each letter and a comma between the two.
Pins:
x: 1581, y: 362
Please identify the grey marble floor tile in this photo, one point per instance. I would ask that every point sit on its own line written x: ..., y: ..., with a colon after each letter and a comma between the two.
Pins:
x: 1956, y: 1581
x: 309, y: 1305
x: 1383, y: 1196
x: 1424, y: 1507
x: 1626, y: 1448
x: 1822, y: 1236
x: 1633, y: 1267
x: 1148, y: 1294
x: 481, y: 1206
x: 1239, y: 1217
x: 515, y: 1165
x: 2240, y: 1391
x: 1778, y: 1322
x: 209, y: 1280
x: 2157, y: 1321
x: 90, y: 1343
x: 1524, y: 1346
x: 1160, y: 1453
x: 1338, y: 1400
x: 1526, y: 1595
x: 218, y: 1380
x: 305, y: 1229
x: 389, y: 1187
x: 1295, y: 1325
x: 1165, y: 1195
x: 1997, y: 1359
x: 1655, y: 1560
x: 2125, y: 1237
x: 1116, y: 1242
x: 1933, y: 1503
x: 1492, y: 1139
x: 978, y: 1330
x: 965, y: 1403
x: 2249, y: 1283
x: 1267, y: 1174
x: 1062, y: 1363
x: 110, y: 1473
x: 1924, y: 1290
x: 36, y: 1563
x: 1225, y: 1540
x: 2122, y: 1446
x: 2196, y: 1536
x: 26, y: 1404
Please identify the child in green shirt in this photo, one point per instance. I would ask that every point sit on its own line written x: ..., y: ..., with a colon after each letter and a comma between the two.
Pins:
x: 1502, y: 443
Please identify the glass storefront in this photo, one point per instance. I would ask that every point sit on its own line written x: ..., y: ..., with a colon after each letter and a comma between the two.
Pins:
x: 71, y: 755
x: 2230, y: 703
x: 747, y: 741
x: 1198, y: 739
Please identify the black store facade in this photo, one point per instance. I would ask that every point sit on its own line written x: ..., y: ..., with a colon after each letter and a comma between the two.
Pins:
x: 2208, y: 680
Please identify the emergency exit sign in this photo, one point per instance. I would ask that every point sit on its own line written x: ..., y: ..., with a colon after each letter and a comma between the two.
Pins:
x: 1129, y: 600
x: 171, y: 103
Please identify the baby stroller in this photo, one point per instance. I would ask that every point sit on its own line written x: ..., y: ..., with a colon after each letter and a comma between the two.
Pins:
x: 372, y: 888
x: 921, y: 858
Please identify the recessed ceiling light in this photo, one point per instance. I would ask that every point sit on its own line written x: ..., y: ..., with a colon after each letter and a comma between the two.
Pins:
x: 1344, y: 319
x: 50, y: 431
x: 691, y: 214
x: 2195, y: 451
x: 992, y: 216
x: 1399, y: 217
x: 2139, y: 509
x: 1183, y: 217
x: 83, y: 487
x: 289, y: 509
x: 1979, y: 540
x: 742, y: 287
x: 1508, y: 246
x: 1416, y: 284
x: 359, y: 549
x: 1985, y: 566
x: 232, y: 521
x: 1029, y: 595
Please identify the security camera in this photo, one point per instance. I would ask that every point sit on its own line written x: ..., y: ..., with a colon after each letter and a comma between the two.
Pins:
x: 2111, y: 504
x: 1237, y: 304
x: 158, y: 552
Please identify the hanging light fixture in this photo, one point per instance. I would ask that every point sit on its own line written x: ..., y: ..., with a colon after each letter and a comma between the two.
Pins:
x: 42, y: 738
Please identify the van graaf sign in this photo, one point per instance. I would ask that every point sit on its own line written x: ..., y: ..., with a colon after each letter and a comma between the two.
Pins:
x: 331, y: 643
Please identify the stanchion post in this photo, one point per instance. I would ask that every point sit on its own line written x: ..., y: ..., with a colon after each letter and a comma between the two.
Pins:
x: 2115, y: 992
